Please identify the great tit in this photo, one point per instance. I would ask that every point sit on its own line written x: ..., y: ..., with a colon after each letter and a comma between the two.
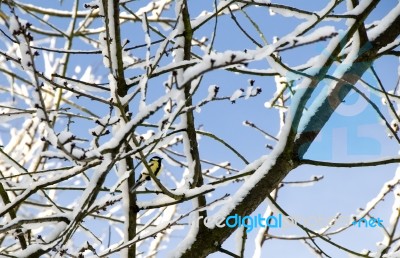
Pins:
x: 155, y: 166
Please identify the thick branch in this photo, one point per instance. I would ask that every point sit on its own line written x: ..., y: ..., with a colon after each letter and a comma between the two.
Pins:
x: 191, y: 130
x: 209, y: 240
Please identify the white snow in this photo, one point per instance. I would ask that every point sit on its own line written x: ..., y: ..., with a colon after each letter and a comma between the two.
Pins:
x: 384, y: 23
x: 236, y: 94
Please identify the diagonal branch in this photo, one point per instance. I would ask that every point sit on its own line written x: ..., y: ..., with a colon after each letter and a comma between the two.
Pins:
x: 364, y: 61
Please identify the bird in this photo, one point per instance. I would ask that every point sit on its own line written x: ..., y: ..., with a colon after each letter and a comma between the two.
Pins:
x: 155, y: 166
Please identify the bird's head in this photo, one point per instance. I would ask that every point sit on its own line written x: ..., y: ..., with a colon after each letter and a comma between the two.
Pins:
x: 156, y: 158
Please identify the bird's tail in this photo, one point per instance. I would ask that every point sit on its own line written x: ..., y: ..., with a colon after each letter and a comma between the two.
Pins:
x: 137, y: 184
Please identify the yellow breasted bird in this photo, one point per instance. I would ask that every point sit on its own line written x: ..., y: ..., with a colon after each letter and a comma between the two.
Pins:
x: 155, y: 166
